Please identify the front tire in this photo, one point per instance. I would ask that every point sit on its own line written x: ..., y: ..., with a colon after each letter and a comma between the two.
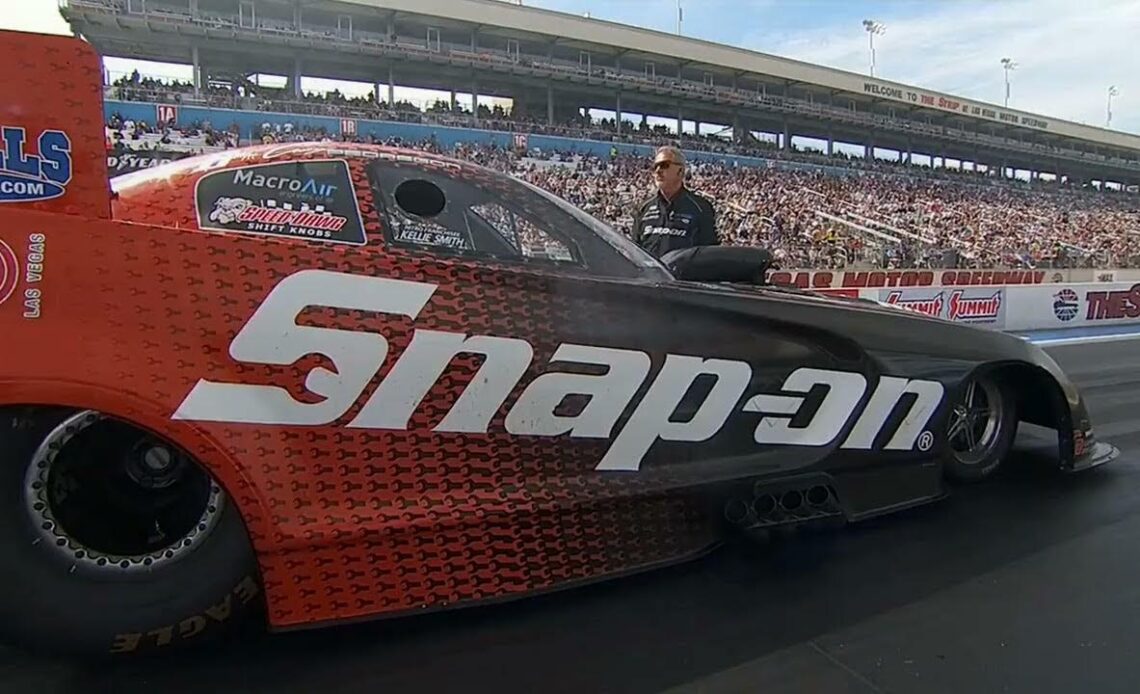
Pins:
x: 112, y: 540
x: 981, y: 429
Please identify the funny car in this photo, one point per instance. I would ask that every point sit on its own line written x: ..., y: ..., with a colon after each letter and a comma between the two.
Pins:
x: 318, y: 382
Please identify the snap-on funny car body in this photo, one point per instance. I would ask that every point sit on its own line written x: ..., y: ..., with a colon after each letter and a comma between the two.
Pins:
x: 340, y: 381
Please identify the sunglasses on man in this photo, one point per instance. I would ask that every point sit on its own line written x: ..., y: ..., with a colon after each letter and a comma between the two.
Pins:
x: 659, y: 165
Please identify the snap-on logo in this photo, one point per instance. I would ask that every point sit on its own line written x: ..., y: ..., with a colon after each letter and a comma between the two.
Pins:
x: 855, y: 413
x: 28, y: 177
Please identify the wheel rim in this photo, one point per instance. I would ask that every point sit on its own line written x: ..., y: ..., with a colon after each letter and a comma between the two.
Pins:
x: 108, y: 496
x: 975, y: 422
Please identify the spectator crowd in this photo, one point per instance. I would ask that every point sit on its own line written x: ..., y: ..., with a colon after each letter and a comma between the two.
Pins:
x: 834, y: 216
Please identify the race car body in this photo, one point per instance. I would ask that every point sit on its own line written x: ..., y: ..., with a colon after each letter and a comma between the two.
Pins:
x: 347, y: 381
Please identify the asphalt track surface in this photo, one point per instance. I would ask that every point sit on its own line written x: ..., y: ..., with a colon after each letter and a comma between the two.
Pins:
x: 1028, y: 583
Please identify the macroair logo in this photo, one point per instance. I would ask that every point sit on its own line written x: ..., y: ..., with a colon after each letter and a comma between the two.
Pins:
x: 31, y: 177
x: 272, y: 336
x: 307, y: 186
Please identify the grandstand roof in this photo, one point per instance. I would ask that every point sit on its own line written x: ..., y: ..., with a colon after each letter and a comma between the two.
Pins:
x: 611, y: 38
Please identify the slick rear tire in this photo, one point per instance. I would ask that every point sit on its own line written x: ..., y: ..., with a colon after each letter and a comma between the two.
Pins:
x: 981, y: 429
x: 57, y: 597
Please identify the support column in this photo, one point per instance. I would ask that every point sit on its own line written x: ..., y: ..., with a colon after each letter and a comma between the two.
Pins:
x: 297, y: 77
x: 197, y: 71
x: 391, y: 86
x: 680, y: 122
x: 474, y: 42
x: 830, y: 144
x: 786, y: 143
x: 549, y: 104
x: 475, y: 99
x: 617, y: 114
x: 391, y: 37
x: 737, y: 135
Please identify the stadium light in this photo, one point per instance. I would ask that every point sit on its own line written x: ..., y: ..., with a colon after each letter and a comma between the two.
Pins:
x: 680, y: 17
x: 1111, y: 93
x: 872, y: 27
x: 1007, y: 64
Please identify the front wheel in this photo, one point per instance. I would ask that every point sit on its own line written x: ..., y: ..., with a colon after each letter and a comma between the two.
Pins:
x: 981, y: 429
x: 112, y: 540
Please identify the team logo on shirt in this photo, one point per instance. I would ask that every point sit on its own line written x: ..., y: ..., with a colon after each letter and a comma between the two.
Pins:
x: 664, y: 231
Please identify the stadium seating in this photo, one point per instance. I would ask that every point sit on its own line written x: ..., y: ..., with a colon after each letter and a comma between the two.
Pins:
x: 887, y: 215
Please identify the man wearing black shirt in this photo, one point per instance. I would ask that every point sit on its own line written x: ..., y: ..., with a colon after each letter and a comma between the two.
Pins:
x: 675, y: 217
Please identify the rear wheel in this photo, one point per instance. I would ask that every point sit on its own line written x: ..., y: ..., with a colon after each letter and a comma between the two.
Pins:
x: 981, y: 429
x: 113, y: 540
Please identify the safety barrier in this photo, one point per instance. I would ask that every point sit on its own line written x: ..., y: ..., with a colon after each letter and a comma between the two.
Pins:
x: 1016, y: 308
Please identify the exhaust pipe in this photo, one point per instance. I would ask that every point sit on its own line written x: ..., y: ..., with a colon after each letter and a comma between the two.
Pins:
x: 818, y: 495
x: 764, y: 505
x: 735, y: 511
x: 791, y: 500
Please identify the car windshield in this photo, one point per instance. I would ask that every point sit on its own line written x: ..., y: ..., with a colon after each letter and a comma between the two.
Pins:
x: 620, y: 243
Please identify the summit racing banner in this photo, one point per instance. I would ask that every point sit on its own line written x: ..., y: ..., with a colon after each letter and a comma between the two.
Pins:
x: 131, y: 161
x: 978, y: 305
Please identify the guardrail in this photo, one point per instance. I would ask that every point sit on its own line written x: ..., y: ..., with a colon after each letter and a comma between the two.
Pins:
x: 1016, y: 308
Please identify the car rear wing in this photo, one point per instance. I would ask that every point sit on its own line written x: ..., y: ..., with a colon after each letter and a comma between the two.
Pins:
x: 53, y: 154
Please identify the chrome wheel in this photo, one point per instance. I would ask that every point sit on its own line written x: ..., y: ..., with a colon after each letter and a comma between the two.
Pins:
x: 974, y: 431
x: 108, y: 496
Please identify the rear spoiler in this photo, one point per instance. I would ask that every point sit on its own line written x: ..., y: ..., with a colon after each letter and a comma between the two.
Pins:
x: 53, y: 155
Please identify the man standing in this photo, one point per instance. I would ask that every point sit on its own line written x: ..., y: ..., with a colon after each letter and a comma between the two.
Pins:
x: 675, y: 217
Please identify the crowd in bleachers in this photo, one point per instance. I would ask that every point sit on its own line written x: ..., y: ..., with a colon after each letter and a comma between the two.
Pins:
x: 809, y: 216
x: 123, y: 134
x: 250, y: 96
x: 814, y: 219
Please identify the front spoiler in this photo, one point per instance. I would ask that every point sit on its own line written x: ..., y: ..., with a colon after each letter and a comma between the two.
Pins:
x: 1099, y: 454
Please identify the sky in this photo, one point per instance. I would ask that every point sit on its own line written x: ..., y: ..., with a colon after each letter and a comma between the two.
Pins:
x: 1069, y: 52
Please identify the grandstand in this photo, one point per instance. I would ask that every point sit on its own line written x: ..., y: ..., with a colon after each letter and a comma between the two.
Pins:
x: 814, y: 209
x: 552, y: 65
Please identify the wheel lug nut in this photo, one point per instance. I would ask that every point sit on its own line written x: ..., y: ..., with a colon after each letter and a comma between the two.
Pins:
x: 157, y: 458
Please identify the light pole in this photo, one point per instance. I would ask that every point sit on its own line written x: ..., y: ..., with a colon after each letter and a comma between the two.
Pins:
x: 1111, y: 93
x: 872, y: 27
x: 680, y: 17
x: 1007, y: 64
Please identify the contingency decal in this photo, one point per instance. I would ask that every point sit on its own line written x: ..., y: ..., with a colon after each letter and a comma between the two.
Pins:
x: 862, y: 409
x: 430, y: 235
x: 34, y: 274
x: 9, y: 271
x: 311, y: 200
x: 28, y: 177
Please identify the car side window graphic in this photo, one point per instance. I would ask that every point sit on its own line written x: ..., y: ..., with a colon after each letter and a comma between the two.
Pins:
x: 528, y: 239
x: 434, y: 212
